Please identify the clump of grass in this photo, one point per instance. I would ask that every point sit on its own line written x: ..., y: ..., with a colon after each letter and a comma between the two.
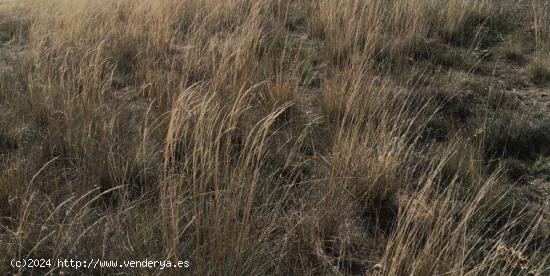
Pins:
x: 283, y: 92
x: 517, y: 135
x: 512, y: 52
x: 542, y: 166
x: 7, y: 143
x: 335, y: 98
x: 456, y: 17
x: 464, y: 162
x: 14, y: 24
x: 539, y: 71
x: 10, y: 179
x: 515, y: 169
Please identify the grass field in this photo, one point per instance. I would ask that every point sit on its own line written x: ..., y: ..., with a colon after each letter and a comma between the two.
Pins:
x: 276, y: 137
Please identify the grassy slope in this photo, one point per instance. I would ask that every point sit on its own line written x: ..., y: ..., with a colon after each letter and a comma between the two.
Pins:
x: 277, y: 137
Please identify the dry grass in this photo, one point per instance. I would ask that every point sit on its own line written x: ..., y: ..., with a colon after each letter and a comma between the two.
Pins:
x: 248, y: 137
x: 540, y: 66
